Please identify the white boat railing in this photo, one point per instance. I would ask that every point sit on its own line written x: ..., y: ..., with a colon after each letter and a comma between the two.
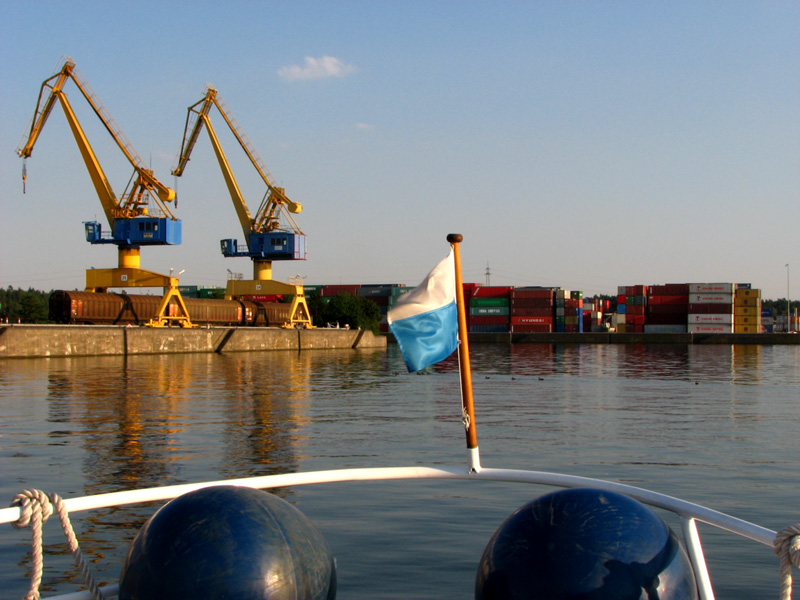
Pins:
x: 688, y: 512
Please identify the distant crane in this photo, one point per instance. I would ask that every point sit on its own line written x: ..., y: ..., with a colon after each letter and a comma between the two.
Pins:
x: 267, y: 239
x: 131, y: 216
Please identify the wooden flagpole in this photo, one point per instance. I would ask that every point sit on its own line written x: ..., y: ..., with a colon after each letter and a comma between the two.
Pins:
x: 467, y: 405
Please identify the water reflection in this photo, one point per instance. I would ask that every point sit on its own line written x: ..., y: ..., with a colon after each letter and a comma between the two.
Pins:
x: 741, y: 364
x: 266, y: 402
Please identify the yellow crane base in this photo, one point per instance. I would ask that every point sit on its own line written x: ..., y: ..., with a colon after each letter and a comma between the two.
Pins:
x: 300, y: 315
x: 99, y: 280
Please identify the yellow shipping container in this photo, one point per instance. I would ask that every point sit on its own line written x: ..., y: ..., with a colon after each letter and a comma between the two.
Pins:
x: 747, y: 320
x: 746, y: 311
x: 621, y: 328
x: 747, y: 328
x: 746, y: 301
x: 748, y: 293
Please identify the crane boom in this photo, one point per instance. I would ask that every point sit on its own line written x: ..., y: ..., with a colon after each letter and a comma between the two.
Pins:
x: 132, y: 222
x: 135, y: 201
x: 267, y: 239
x: 275, y: 202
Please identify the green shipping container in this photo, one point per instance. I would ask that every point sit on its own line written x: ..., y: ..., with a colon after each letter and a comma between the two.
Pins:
x: 489, y: 302
x: 489, y: 311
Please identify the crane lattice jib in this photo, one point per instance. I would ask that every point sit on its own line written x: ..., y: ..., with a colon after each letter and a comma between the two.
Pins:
x: 275, y: 200
x: 129, y: 204
x: 274, y: 204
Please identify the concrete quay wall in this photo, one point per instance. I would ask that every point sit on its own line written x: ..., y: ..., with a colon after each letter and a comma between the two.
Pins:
x: 36, y: 341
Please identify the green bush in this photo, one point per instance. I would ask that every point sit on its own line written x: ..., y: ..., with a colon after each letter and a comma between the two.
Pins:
x: 345, y: 309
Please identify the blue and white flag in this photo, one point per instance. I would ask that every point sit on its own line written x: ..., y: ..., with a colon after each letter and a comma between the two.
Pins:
x: 425, y: 320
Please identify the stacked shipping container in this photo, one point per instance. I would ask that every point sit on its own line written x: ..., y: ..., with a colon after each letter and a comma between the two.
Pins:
x: 747, y: 310
x: 489, y: 309
x: 593, y: 314
x: 569, y: 311
x: 710, y: 308
x: 632, y: 303
x: 532, y: 310
x: 767, y: 320
x: 667, y: 308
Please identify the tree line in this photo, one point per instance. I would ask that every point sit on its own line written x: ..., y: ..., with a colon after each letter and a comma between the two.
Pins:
x: 24, y: 306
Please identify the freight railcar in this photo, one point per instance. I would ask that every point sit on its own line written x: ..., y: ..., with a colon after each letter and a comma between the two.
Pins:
x: 94, y: 308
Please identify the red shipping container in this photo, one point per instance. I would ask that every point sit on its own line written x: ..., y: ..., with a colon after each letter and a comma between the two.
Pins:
x: 635, y: 309
x: 471, y: 287
x: 532, y: 320
x: 333, y: 290
x: 710, y: 308
x: 528, y: 293
x: 531, y: 302
x: 492, y: 292
x: 469, y: 290
x: 622, y: 299
x: 263, y: 298
x: 670, y: 289
x: 668, y: 299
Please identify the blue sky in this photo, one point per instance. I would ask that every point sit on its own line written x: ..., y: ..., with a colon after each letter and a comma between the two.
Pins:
x: 585, y: 145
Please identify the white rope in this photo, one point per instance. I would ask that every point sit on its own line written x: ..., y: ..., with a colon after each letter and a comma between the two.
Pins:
x: 787, y: 547
x: 35, y: 508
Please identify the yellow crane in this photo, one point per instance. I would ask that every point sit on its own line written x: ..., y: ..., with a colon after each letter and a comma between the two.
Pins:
x: 133, y: 219
x: 267, y: 238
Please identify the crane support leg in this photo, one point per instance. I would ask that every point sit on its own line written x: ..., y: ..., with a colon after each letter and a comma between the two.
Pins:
x: 164, y: 319
x: 300, y: 316
x: 98, y: 280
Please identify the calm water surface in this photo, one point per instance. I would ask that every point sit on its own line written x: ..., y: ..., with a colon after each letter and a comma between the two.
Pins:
x: 711, y: 424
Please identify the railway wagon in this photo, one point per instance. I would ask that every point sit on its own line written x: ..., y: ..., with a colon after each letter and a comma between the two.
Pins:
x: 210, y: 311
x: 72, y: 307
x: 265, y: 314
x: 95, y: 308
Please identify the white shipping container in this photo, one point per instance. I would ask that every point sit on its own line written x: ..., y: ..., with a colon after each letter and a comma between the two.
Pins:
x: 708, y: 298
x: 716, y: 318
x: 767, y: 320
x: 711, y: 288
x: 709, y: 328
x: 621, y: 318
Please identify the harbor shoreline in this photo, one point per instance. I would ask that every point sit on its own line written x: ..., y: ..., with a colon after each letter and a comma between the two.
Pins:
x: 41, y: 341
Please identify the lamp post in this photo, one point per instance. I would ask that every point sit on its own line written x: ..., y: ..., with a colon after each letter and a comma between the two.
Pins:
x: 788, y: 303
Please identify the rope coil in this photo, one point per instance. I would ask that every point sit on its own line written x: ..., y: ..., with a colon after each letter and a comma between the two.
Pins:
x: 35, y: 508
x: 787, y: 547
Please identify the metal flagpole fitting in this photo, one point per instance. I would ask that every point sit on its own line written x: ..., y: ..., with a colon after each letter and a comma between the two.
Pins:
x: 467, y: 405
